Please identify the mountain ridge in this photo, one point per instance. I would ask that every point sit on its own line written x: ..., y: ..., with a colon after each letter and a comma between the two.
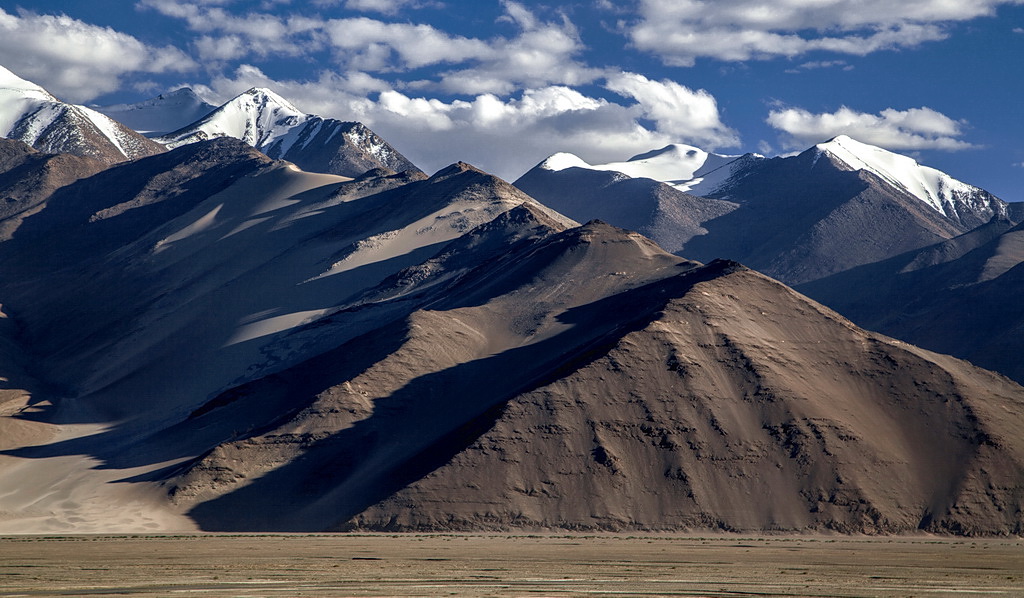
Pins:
x: 31, y: 114
x: 270, y: 123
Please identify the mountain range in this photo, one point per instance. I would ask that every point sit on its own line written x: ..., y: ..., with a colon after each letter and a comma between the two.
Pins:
x: 273, y: 125
x: 956, y: 296
x: 837, y: 205
x: 211, y: 338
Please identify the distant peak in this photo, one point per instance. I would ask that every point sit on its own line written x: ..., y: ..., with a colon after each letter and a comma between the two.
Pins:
x: 457, y: 168
x: 563, y: 160
x: 181, y: 93
x: 262, y: 93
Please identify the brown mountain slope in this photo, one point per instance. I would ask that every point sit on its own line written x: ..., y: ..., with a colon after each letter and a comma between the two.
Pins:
x: 659, y: 396
x: 727, y: 412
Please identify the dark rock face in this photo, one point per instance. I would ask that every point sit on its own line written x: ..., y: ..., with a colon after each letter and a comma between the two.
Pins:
x: 806, y: 217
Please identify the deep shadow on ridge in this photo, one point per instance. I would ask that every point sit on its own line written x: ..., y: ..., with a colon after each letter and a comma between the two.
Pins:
x: 336, y: 477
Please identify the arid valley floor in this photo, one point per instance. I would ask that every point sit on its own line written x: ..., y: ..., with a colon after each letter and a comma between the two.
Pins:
x: 500, y: 565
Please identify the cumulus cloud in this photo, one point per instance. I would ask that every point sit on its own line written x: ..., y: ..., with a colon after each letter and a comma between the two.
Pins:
x: 680, y: 31
x: 539, y: 53
x: 75, y: 60
x: 509, y: 134
x: 676, y: 109
x: 913, y: 129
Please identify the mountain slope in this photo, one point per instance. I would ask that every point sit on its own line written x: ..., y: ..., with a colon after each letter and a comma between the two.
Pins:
x: 270, y: 123
x: 29, y: 177
x: 687, y: 168
x: 30, y: 114
x: 835, y: 206
x: 952, y: 297
x: 212, y: 339
x: 160, y: 115
x: 655, y: 209
x: 966, y: 204
x: 706, y: 391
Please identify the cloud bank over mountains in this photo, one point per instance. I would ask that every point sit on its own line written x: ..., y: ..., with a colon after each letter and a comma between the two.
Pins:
x: 516, y: 85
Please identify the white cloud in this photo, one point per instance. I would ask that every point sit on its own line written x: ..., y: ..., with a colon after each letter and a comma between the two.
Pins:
x: 821, y: 64
x: 913, y: 129
x: 676, y: 109
x: 538, y: 54
x: 374, y: 45
x: 680, y: 31
x: 542, y: 53
x: 77, y: 61
x: 505, y: 135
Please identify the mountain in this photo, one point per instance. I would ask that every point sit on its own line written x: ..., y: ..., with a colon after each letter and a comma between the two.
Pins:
x: 160, y: 115
x: 838, y: 205
x: 270, y: 123
x: 28, y: 177
x: 954, y: 297
x: 655, y: 209
x: 684, y: 167
x: 965, y: 204
x: 30, y: 114
x: 211, y: 339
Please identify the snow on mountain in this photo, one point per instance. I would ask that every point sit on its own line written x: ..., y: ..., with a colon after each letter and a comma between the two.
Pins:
x: 937, y: 189
x: 270, y: 123
x: 160, y: 115
x: 685, y: 167
x: 258, y: 117
x: 31, y: 114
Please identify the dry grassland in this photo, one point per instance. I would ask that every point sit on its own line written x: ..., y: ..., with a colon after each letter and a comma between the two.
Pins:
x: 498, y: 565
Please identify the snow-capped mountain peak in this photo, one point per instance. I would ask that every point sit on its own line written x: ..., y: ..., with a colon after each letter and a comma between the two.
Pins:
x: 9, y: 82
x: 685, y: 167
x: 160, y: 115
x: 257, y: 116
x: 31, y: 114
x: 934, y: 187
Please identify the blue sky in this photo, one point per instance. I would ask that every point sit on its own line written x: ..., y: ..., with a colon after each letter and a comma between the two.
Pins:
x: 503, y: 84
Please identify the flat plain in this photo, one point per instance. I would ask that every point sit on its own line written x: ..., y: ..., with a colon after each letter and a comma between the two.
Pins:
x: 509, y: 565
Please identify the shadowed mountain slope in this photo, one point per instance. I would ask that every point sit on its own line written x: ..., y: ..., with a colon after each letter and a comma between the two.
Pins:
x: 837, y: 205
x: 956, y: 297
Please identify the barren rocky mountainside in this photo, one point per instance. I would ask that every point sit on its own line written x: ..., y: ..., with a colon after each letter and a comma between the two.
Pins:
x: 957, y: 297
x: 209, y: 338
x: 653, y: 208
